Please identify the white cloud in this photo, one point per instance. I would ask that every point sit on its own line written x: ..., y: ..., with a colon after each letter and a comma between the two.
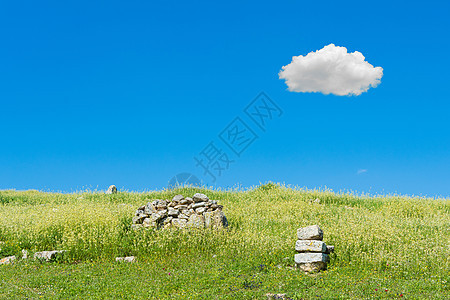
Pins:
x: 331, y: 70
x: 361, y: 171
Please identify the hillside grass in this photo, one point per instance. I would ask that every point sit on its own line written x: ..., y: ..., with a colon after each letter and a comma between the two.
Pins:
x: 386, y: 247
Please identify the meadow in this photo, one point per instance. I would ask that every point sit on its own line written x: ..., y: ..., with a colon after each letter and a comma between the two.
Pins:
x: 385, y: 246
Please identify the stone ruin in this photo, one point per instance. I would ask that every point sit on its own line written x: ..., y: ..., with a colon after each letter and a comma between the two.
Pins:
x: 313, y: 254
x: 180, y: 212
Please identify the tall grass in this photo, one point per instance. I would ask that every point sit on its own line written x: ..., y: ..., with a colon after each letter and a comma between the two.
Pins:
x: 402, y: 234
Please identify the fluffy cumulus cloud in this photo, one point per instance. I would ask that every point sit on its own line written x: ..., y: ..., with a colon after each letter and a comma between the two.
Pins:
x: 331, y: 70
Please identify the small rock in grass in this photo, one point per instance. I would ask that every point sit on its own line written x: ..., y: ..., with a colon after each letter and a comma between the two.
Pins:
x: 7, y: 260
x: 271, y: 296
x: 111, y: 190
x: 24, y: 254
x: 48, y: 255
x: 329, y: 249
x: 129, y: 259
x: 310, y: 233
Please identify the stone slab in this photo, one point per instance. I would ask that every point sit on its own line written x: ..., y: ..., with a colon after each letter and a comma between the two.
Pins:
x: 310, y: 233
x: 310, y: 246
x: 302, y: 258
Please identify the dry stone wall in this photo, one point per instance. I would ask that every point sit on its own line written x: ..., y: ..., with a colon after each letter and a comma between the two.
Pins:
x: 180, y: 212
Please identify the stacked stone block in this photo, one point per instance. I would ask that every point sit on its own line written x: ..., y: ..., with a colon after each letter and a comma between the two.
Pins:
x: 313, y: 253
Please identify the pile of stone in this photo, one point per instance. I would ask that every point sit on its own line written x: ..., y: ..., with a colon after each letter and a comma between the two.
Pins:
x: 313, y: 254
x: 47, y: 255
x: 180, y: 212
x: 41, y: 256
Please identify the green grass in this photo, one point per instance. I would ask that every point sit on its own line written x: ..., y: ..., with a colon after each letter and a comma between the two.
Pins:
x: 386, y: 247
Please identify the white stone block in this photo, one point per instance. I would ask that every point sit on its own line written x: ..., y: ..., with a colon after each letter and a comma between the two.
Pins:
x: 310, y: 246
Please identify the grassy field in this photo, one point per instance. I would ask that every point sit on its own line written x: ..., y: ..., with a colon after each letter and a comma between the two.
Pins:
x: 386, y: 247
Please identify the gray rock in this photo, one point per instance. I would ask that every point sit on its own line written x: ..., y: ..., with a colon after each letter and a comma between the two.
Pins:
x: 189, y: 199
x: 200, y: 197
x: 200, y: 210
x: 48, y: 255
x: 196, y: 221
x: 182, y: 216
x: 163, y: 212
x: 161, y: 205
x: 111, y: 190
x: 178, y: 198
x: 129, y: 259
x: 208, y: 216
x: 149, y: 208
x: 139, y: 219
x: 310, y: 246
x: 173, y: 212
x: 213, y: 201
x: 310, y: 233
x: 167, y: 220
x: 24, y: 254
x: 181, y: 207
x: 155, y: 202
x: 7, y: 260
x: 216, y: 206
x: 330, y: 249
x: 149, y: 223
x: 302, y: 258
x: 198, y: 204
x: 155, y: 217
x: 218, y: 219
x: 271, y: 296
x: 179, y: 223
x: 312, y: 267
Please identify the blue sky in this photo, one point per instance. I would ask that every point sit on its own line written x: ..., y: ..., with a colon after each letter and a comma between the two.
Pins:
x: 128, y: 93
